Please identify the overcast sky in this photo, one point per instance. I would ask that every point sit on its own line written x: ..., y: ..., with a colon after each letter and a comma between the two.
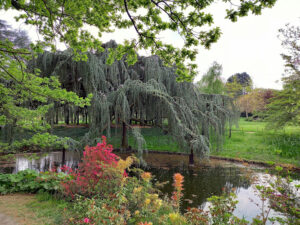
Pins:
x: 250, y: 45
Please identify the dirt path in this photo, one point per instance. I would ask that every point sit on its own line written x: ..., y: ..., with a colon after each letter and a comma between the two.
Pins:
x: 7, y: 220
x: 13, y: 210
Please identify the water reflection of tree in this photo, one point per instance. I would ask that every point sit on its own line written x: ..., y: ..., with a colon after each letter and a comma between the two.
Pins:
x: 48, y: 162
x: 199, y: 185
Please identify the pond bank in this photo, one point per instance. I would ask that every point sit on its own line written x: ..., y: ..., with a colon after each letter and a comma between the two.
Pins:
x: 259, y: 163
x: 228, y: 159
x: 178, y: 159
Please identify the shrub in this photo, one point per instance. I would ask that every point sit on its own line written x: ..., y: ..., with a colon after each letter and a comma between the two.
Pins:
x: 108, y: 196
x: 100, y: 172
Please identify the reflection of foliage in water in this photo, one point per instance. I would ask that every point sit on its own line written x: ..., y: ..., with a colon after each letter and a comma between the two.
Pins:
x: 200, y: 185
x: 280, y: 193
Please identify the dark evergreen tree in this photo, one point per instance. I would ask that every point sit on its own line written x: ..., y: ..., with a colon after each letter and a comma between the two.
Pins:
x: 239, y: 84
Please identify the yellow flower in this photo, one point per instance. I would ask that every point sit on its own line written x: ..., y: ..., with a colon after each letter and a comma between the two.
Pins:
x: 158, y: 203
x: 146, y: 176
x: 124, y: 199
x: 137, y: 190
x: 124, y: 164
x: 174, y: 217
x: 137, y: 212
x: 147, y: 201
x: 154, y: 196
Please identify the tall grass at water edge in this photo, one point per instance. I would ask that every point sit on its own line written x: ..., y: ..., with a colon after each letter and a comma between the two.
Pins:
x: 253, y: 141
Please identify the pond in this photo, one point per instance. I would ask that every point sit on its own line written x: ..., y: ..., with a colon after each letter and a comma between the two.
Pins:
x: 204, y: 179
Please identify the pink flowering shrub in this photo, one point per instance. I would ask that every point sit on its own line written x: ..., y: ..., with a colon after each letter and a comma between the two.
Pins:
x: 96, y: 174
x: 86, y: 220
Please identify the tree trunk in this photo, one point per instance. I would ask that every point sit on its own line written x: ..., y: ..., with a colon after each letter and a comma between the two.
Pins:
x: 72, y: 115
x: 51, y: 122
x: 67, y: 114
x: 86, y: 116
x: 124, y: 144
x: 191, y: 158
x: 136, y: 116
x: 77, y: 116
x: 56, y: 116
x: 9, y: 132
x: 83, y: 116
x: 63, y: 158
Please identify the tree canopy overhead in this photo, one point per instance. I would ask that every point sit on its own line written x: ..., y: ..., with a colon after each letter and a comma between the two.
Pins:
x: 25, y: 97
x: 67, y: 20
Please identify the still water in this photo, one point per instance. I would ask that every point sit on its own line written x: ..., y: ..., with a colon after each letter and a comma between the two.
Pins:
x: 201, y: 181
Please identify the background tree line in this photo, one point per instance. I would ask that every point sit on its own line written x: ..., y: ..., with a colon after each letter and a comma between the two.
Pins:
x: 278, y: 107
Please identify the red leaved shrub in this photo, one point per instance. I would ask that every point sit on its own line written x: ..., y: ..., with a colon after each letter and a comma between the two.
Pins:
x: 96, y: 174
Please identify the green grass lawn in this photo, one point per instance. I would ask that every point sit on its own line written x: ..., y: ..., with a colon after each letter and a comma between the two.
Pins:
x: 253, y: 141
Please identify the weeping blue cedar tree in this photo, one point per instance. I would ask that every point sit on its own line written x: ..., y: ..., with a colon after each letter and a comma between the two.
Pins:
x: 146, y: 92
